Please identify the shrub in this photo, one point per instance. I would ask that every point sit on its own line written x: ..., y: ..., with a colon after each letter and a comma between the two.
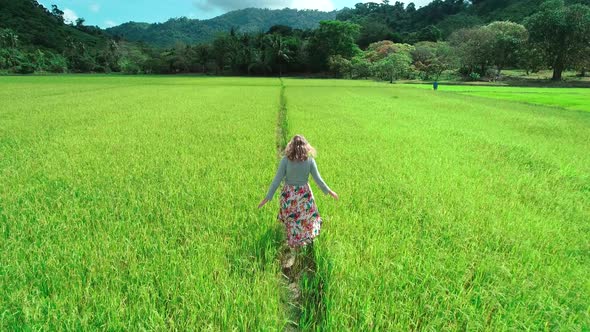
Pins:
x: 361, y: 67
x: 25, y: 68
x: 56, y: 63
x: 340, y: 66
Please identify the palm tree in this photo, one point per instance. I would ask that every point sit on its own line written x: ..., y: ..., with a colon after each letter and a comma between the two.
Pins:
x: 279, y: 49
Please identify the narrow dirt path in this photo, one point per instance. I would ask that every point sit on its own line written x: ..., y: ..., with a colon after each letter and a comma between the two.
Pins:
x: 289, y: 282
x: 297, y: 300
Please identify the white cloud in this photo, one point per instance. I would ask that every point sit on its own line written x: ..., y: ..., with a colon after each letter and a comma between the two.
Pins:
x: 109, y: 23
x: 323, y: 5
x: 95, y: 7
x: 420, y: 3
x: 227, y: 5
x: 70, y: 16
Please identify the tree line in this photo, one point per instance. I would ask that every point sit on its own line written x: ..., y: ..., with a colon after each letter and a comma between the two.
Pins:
x: 556, y: 35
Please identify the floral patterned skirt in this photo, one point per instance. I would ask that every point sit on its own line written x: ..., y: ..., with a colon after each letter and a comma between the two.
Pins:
x: 299, y: 213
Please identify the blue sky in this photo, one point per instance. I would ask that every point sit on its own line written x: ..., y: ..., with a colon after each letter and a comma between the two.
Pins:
x: 106, y: 13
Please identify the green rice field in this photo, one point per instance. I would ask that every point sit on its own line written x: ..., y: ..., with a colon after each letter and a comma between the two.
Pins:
x: 566, y: 98
x: 129, y: 203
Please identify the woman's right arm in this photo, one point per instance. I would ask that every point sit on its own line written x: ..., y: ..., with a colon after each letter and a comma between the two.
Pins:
x: 281, y: 172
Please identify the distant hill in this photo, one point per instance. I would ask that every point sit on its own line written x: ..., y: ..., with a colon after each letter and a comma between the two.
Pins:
x: 37, y: 27
x: 193, y: 31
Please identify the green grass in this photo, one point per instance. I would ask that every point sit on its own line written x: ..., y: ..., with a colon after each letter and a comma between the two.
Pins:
x: 567, y: 98
x: 129, y: 203
x: 543, y: 75
x: 457, y: 213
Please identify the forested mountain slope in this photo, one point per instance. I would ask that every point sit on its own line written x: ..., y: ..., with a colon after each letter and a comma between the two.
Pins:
x: 37, y: 27
x: 191, y: 31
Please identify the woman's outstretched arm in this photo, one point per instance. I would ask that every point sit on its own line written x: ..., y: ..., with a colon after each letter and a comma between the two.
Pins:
x: 320, y: 182
x: 281, y: 172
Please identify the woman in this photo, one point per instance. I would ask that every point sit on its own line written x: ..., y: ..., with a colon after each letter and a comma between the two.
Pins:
x: 298, y: 211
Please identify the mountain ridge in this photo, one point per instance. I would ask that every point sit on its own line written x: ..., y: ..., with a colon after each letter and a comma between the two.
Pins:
x: 193, y: 31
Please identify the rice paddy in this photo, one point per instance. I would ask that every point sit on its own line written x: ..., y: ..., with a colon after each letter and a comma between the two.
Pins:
x: 564, y: 98
x: 129, y: 203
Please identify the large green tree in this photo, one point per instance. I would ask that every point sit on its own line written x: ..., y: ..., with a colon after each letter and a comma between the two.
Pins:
x: 509, y: 40
x: 475, y: 49
x: 432, y: 59
x: 380, y: 50
x: 498, y: 44
x: 387, y: 60
x: 330, y: 39
x: 561, y: 32
x: 393, y: 67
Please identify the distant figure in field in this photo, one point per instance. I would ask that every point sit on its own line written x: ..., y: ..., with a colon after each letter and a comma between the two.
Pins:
x: 435, y: 85
x: 297, y: 210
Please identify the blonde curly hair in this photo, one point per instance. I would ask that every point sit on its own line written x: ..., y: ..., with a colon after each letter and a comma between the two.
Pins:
x: 298, y: 149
